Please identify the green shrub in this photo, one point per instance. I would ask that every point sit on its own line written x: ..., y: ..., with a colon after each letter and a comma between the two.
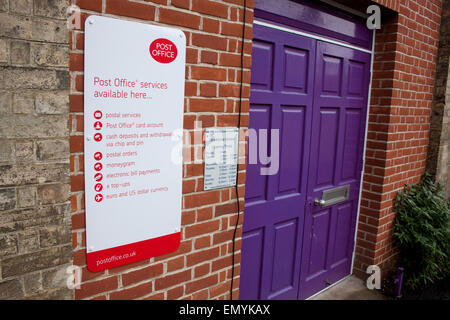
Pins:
x: 421, y: 232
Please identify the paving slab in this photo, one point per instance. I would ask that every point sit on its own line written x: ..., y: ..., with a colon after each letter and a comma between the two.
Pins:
x: 351, y: 288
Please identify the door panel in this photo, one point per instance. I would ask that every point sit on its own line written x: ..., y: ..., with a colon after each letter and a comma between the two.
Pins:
x: 337, y: 141
x: 281, y: 99
x: 315, y: 94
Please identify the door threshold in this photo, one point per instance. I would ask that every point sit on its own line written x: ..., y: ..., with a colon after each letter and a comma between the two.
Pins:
x: 329, y: 287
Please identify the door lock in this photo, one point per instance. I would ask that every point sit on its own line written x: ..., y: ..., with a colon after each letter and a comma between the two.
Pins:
x: 319, y: 202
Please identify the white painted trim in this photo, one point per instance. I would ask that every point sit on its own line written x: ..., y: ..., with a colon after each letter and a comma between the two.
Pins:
x: 329, y: 287
x: 364, y: 150
x: 304, y: 34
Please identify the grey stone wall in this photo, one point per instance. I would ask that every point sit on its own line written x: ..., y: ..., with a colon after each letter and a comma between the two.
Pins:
x: 35, y: 221
x: 438, y: 159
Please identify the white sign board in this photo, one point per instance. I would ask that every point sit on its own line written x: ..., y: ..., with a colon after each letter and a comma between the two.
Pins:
x: 133, y: 116
x: 221, y: 155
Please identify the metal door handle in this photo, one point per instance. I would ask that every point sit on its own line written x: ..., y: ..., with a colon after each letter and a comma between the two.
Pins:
x: 319, y: 202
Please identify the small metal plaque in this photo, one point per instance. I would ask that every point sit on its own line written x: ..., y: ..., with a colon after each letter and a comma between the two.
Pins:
x: 335, y: 195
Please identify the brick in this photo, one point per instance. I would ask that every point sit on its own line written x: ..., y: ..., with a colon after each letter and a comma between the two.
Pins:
x: 54, y: 235
x: 223, y: 237
x: 185, y: 247
x: 20, y: 52
x: 175, y: 264
x: 173, y: 279
x: 77, y: 183
x: 190, y: 89
x: 220, y: 289
x: 23, y: 103
x: 204, y: 213
x: 52, y: 103
x: 206, y: 105
x: 26, y: 197
x: 175, y: 293
x: 10, y: 289
x: 57, y: 149
x: 187, y: 217
x: 208, y: 90
x: 179, y: 18
x: 231, y: 29
x: 95, y: 287
x: 211, y: 25
x: 209, y: 57
x: 156, y: 296
x: 202, y: 242
x: 142, y: 274
x: 7, y: 199
x: 80, y: 41
x: 131, y: 9
x: 35, y: 261
x: 202, y: 270
x: 210, y: 7
x: 209, y: 41
x: 78, y: 221
x: 207, y: 120
x: 200, y: 295
x: 132, y: 293
x: 53, y: 193
x: 201, y: 284
x: 227, y: 120
x: 92, y: 5
x: 79, y: 83
x: 191, y: 55
x: 225, y: 209
x: 201, y: 256
x: 8, y: 245
x: 76, y: 103
x: 201, y: 228
x: 76, y: 144
x: 184, y: 4
x: 50, y: 55
x: 221, y: 263
x: 208, y: 73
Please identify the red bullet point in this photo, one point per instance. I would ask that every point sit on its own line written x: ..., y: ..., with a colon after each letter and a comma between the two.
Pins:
x: 98, y: 137
x: 98, y: 156
x: 98, y: 125
x: 98, y: 166
x: 98, y: 197
x: 98, y: 114
x: 98, y: 177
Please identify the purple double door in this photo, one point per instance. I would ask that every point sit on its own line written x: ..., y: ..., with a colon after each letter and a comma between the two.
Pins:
x: 315, y: 94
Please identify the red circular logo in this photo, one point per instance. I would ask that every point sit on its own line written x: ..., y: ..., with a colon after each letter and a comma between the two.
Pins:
x: 163, y: 50
x: 98, y: 177
x: 98, y: 187
x: 98, y: 166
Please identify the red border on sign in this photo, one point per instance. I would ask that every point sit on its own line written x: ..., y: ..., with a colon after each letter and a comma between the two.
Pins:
x: 129, y: 253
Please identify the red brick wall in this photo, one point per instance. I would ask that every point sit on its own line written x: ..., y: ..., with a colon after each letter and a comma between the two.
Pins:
x: 201, y: 267
x: 399, y: 117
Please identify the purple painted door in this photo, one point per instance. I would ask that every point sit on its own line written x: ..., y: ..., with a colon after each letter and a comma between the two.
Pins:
x: 315, y: 94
